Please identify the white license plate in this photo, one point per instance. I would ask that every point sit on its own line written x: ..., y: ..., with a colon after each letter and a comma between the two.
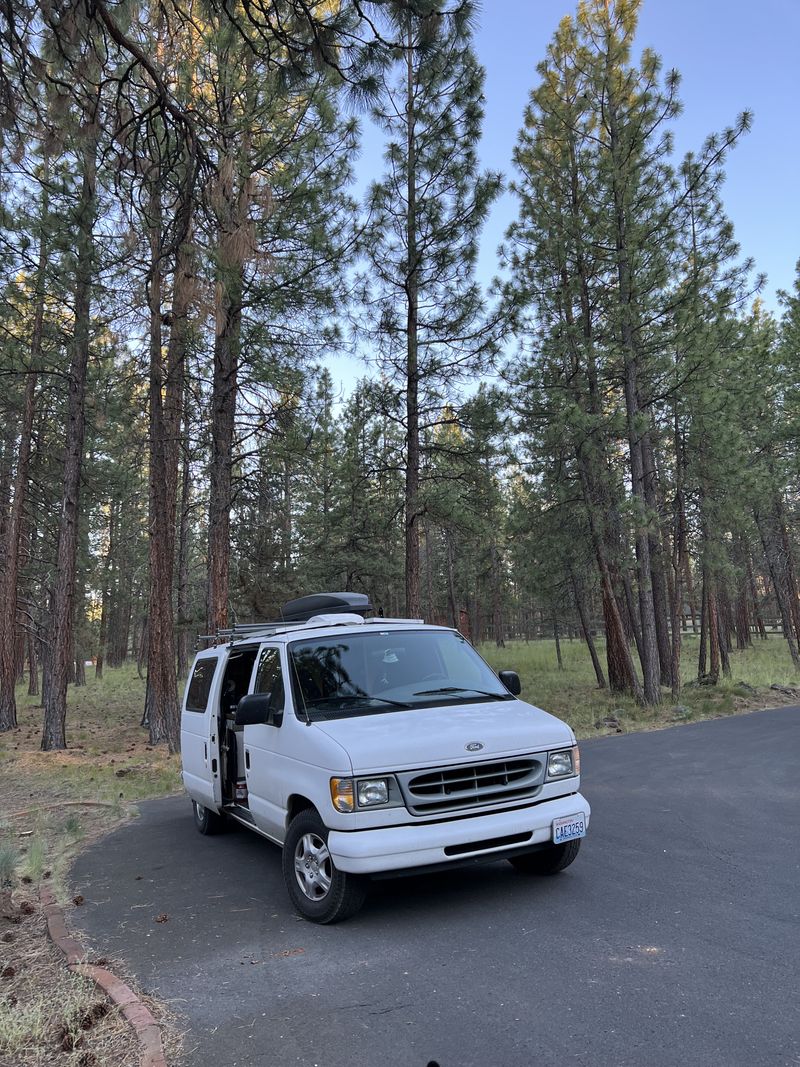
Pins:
x: 568, y: 828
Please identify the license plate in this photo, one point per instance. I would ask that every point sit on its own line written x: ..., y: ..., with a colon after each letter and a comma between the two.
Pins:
x: 568, y: 828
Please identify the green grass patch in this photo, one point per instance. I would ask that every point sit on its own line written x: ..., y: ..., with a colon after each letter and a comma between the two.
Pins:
x: 9, y: 858
x: 573, y: 694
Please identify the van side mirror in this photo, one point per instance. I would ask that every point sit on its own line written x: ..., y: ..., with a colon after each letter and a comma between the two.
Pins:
x: 257, y: 710
x: 510, y: 680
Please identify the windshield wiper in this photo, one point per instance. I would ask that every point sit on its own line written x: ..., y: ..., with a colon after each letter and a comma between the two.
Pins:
x: 356, y: 697
x: 460, y: 689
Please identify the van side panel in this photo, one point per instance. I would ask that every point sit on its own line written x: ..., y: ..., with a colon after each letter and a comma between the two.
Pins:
x: 199, y: 732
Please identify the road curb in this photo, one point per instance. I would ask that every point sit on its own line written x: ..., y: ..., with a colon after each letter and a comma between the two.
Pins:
x: 135, y: 1011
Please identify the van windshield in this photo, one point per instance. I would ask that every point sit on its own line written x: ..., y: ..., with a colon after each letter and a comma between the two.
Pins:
x: 383, y: 671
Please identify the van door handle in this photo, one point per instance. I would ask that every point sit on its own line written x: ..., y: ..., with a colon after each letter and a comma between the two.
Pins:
x: 205, y: 752
x: 247, y: 758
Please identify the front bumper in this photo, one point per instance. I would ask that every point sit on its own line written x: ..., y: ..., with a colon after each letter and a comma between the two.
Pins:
x: 397, y: 848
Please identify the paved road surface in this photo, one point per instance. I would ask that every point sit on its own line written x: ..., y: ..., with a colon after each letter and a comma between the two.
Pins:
x: 673, y: 939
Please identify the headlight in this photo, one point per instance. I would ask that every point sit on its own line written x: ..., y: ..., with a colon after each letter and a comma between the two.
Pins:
x: 372, y: 791
x: 564, y: 764
x: 347, y: 793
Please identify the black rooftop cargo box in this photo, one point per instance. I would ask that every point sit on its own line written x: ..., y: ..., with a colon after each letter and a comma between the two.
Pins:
x: 306, y: 607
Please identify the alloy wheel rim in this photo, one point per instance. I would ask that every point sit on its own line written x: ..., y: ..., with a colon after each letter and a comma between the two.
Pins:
x: 313, y: 867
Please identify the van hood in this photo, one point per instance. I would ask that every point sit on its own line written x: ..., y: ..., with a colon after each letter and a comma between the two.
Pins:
x: 429, y: 737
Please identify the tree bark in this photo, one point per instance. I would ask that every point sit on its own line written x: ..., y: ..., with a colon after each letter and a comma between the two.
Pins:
x: 185, y: 507
x: 102, y: 639
x: 33, y: 667
x: 702, y: 657
x: 412, y: 568
x: 557, y: 639
x: 166, y: 410
x: 657, y: 575
x: 55, y: 704
x: 587, y: 633
x: 638, y: 434
x: 775, y: 564
x: 9, y: 577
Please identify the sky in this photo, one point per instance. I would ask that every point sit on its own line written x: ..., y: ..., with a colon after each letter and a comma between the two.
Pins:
x: 733, y: 55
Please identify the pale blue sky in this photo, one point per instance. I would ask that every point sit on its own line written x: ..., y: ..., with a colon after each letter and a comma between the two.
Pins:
x: 733, y: 55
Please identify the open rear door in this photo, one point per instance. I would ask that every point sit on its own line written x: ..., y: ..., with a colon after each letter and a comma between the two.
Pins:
x: 200, y: 730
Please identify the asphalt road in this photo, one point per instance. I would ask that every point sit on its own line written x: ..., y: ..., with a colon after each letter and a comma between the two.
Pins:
x: 673, y: 939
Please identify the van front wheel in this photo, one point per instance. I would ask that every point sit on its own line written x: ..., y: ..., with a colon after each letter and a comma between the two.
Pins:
x: 318, y: 890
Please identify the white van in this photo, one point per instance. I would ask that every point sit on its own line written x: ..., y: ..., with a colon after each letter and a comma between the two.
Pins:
x: 372, y: 747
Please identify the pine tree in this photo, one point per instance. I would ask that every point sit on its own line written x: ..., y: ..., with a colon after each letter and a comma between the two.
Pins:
x: 557, y: 277
x: 424, y: 311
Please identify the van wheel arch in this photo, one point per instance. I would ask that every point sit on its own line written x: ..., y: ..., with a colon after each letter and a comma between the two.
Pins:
x: 295, y: 805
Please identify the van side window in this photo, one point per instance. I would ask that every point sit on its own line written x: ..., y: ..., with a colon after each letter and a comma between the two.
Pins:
x: 200, y: 685
x: 269, y: 677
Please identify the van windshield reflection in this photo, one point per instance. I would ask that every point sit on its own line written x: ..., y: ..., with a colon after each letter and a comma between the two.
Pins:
x: 386, y: 671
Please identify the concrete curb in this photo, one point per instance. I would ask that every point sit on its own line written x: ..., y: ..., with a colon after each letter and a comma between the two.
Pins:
x: 138, y: 1014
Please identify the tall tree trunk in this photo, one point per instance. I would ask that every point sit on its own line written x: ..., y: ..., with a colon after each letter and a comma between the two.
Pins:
x: 33, y: 667
x: 102, y: 639
x: 412, y: 569
x: 775, y: 564
x: 587, y: 633
x: 713, y: 629
x: 638, y: 434
x: 102, y: 636
x: 723, y: 642
x: 9, y: 577
x: 743, y: 636
x: 762, y: 630
x: 557, y: 639
x: 185, y: 508
x: 589, y: 453
x: 429, y: 607
x: 497, y: 611
x: 55, y: 704
x: 702, y: 657
x: 789, y: 567
x: 678, y: 554
x: 657, y: 569
x: 451, y: 584
x: 231, y: 244
x: 79, y: 611
x: 166, y: 409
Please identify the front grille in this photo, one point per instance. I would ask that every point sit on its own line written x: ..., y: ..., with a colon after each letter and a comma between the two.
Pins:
x: 472, y: 785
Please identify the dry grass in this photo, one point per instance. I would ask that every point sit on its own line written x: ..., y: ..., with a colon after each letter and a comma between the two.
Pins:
x: 54, y: 803
x: 49, y: 1016
x: 572, y: 693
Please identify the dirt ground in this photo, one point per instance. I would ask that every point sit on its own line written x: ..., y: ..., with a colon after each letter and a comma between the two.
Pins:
x: 53, y: 804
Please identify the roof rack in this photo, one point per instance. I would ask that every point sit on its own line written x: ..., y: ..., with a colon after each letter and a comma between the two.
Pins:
x: 241, y: 631
x: 294, y: 613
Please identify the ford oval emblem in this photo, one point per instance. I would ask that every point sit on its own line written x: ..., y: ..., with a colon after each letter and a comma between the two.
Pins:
x: 473, y: 746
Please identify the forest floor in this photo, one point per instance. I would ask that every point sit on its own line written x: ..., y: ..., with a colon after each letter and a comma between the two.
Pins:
x: 761, y: 677
x: 53, y: 804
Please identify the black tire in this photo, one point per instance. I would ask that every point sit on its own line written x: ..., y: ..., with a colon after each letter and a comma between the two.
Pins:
x: 207, y: 821
x: 547, y: 860
x: 318, y: 891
